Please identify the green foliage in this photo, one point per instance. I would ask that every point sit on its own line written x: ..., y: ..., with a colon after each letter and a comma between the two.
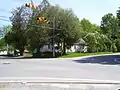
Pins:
x: 113, y: 47
x: 7, y: 28
x: 109, y: 26
x: 72, y: 55
x: 97, y: 42
x: 37, y: 33
x: 4, y: 30
x: 67, y: 27
x: 2, y: 44
x: 118, y: 44
x: 86, y: 25
x: 27, y: 32
x: 89, y: 27
x: 16, y: 37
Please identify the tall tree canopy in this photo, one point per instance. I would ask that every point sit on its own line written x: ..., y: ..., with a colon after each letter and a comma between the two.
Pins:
x: 67, y: 27
x: 17, y: 37
x: 109, y: 25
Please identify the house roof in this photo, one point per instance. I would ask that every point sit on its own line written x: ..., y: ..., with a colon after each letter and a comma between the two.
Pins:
x: 81, y: 41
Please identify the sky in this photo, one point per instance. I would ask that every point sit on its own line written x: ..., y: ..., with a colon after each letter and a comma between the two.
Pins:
x: 93, y: 10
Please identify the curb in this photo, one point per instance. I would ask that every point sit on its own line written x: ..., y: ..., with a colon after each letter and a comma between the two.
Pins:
x: 55, y: 80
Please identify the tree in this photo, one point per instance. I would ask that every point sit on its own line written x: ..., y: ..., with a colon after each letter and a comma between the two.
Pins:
x: 91, y: 42
x: 86, y: 25
x: 6, y: 29
x: 109, y: 25
x: 17, y: 36
x: 66, y: 23
x: 2, y: 44
x: 118, y: 16
x: 113, y: 47
x: 37, y: 33
x: 70, y: 28
x: 93, y: 37
x: 117, y: 43
x: 97, y: 42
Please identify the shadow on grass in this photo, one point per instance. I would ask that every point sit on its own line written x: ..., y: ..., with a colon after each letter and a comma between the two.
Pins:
x: 104, y: 60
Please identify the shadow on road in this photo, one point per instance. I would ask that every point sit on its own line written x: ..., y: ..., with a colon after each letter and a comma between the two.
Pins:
x: 108, y: 59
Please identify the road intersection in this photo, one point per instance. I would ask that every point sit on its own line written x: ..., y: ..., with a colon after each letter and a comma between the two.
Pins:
x: 78, y: 69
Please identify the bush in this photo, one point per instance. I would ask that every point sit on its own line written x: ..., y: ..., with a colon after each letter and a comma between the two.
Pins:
x: 105, y: 49
x: 118, y: 45
x: 113, y: 47
x: 91, y: 49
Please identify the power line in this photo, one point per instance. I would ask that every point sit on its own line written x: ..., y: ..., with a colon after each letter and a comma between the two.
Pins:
x: 4, y: 17
x: 4, y: 20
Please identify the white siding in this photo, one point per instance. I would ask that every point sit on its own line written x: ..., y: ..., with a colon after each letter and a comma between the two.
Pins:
x: 46, y: 48
x: 74, y: 48
x: 3, y: 53
x: 78, y: 48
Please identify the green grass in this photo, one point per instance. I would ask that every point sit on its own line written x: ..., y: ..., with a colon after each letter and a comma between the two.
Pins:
x: 71, y: 55
x: 27, y: 55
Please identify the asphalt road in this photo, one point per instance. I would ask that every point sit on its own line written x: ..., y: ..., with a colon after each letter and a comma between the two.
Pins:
x: 92, y: 68
x: 100, y: 68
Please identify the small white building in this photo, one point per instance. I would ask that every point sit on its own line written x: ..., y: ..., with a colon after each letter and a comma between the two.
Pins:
x: 78, y: 48
x: 49, y: 48
x: 46, y: 48
x: 81, y: 46
x: 3, y: 52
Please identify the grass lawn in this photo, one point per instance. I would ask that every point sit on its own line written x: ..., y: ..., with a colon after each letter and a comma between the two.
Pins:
x: 27, y: 55
x: 70, y: 55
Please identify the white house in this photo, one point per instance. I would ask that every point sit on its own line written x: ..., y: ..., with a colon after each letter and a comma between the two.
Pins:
x: 46, y: 48
x: 3, y: 52
x: 81, y: 46
x: 49, y: 48
x: 78, y: 48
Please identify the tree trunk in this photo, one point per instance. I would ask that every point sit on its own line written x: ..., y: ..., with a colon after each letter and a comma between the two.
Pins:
x: 38, y: 54
x: 21, y: 52
x: 64, y: 48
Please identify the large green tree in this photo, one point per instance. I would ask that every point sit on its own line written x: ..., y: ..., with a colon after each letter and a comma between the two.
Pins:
x: 4, y: 30
x: 37, y: 33
x: 2, y: 44
x: 86, y: 25
x: 17, y: 37
x: 109, y: 25
x: 66, y: 32
x: 89, y: 27
x: 97, y: 42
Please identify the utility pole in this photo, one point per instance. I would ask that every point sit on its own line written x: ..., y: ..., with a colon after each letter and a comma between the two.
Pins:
x: 53, y: 35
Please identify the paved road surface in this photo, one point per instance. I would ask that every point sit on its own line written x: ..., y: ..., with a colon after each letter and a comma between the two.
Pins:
x: 98, y: 68
x: 63, y: 68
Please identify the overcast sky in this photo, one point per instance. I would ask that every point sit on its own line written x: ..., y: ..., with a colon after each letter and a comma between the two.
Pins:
x: 89, y: 9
